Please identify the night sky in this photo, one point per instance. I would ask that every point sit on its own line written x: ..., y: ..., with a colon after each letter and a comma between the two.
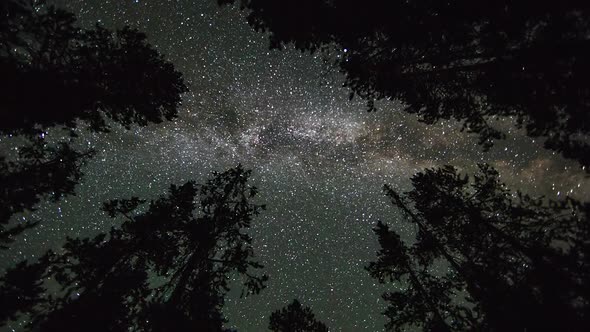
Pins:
x: 319, y: 160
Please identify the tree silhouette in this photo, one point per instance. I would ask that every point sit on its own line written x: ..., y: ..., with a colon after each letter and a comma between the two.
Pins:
x: 42, y: 171
x: 295, y: 318
x: 164, y: 269
x: 57, y: 75
x: 484, y: 258
x: 460, y: 60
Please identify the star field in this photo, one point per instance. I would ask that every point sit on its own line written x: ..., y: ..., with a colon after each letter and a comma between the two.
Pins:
x: 319, y: 160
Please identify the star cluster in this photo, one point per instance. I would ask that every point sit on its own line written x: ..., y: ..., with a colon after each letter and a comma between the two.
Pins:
x: 319, y: 159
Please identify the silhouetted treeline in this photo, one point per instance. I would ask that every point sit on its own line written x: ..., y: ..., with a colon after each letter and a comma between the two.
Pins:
x: 42, y: 171
x: 295, y: 318
x: 484, y: 258
x: 54, y: 74
x: 164, y: 269
x: 464, y: 60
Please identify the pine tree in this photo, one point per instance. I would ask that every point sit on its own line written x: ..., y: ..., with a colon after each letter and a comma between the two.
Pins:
x: 461, y: 59
x: 56, y: 75
x: 165, y: 269
x: 295, y: 318
x: 510, y: 262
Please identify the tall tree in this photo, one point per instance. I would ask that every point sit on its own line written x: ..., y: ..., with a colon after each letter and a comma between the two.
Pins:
x: 462, y: 59
x: 57, y: 75
x: 164, y: 269
x: 485, y: 258
x: 295, y: 318
x: 42, y: 171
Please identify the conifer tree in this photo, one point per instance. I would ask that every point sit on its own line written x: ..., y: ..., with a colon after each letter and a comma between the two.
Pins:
x: 165, y: 269
x: 483, y: 257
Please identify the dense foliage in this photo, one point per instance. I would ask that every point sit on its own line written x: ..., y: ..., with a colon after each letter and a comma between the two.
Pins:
x: 466, y: 60
x: 295, y: 318
x: 512, y: 262
x: 164, y: 269
x: 55, y: 74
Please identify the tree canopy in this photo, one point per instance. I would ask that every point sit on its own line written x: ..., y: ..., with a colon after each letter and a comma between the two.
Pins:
x: 55, y: 74
x: 462, y: 60
x: 483, y: 257
x: 295, y: 318
x: 165, y: 269
x: 42, y: 171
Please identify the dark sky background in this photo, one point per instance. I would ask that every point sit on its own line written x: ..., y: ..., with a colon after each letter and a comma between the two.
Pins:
x: 319, y: 160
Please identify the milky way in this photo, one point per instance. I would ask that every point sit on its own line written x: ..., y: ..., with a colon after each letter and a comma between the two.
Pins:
x: 319, y: 159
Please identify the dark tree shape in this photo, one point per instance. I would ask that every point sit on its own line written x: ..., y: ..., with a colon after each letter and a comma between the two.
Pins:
x: 21, y: 289
x: 462, y: 60
x: 513, y: 262
x: 55, y: 74
x: 426, y: 297
x: 295, y: 318
x: 42, y: 171
x: 165, y: 269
